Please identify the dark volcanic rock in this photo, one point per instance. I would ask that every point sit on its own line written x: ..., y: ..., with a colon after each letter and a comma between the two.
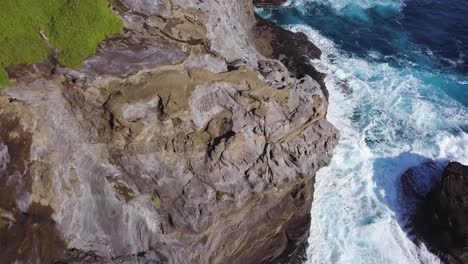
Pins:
x: 268, y: 3
x: 293, y: 49
x: 442, y: 222
x: 417, y: 181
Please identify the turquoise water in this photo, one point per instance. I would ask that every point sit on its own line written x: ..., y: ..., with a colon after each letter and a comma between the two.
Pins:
x: 398, y: 84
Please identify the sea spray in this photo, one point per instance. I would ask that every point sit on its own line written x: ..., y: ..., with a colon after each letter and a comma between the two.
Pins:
x: 376, y: 107
x: 352, y: 217
x: 398, y: 101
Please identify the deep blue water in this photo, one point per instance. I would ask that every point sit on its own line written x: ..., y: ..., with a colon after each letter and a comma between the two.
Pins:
x: 430, y: 35
x: 397, y: 73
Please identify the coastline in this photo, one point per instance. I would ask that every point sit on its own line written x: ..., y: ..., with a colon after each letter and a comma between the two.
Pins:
x: 192, y: 137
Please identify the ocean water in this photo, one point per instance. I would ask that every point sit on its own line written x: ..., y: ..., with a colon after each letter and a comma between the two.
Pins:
x: 397, y: 73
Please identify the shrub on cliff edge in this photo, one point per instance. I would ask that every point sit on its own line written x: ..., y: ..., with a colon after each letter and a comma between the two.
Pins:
x: 31, y: 28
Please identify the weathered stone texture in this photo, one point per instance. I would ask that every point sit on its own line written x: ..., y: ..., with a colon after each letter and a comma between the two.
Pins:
x: 180, y: 141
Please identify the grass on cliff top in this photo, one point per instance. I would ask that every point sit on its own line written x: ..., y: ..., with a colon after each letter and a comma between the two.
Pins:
x: 30, y: 29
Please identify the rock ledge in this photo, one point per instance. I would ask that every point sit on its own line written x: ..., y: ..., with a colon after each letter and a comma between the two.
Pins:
x: 192, y: 137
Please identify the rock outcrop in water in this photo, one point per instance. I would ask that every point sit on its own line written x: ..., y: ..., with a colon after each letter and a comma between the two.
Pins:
x: 442, y: 221
x: 185, y: 139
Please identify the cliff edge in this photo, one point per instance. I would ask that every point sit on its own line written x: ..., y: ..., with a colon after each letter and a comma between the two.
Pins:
x: 194, y: 136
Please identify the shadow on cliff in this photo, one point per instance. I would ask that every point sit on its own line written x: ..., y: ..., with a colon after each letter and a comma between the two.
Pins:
x: 403, y: 181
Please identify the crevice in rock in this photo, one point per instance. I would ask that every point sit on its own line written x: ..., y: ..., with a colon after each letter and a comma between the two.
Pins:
x: 217, y: 140
x: 111, y: 120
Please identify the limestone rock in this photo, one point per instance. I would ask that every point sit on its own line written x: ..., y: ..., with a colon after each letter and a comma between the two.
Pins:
x: 189, y: 138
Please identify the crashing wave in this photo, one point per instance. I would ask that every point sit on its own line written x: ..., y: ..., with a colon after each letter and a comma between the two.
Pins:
x: 340, y: 5
x: 389, y: 122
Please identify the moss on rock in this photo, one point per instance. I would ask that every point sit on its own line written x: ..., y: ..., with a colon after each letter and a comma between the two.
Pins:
x: 30, y: 29
x: 156, y: 201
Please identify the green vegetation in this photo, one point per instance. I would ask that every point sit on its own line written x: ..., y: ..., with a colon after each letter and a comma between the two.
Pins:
x: 30, y: 28
x: 219, y: 196
x: 156, y: 201
x: 3, y: 77
x: 3, y: 223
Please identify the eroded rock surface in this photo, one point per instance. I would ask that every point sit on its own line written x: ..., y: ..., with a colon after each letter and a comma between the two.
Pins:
x: 268, y: 3
x: 189, y: 138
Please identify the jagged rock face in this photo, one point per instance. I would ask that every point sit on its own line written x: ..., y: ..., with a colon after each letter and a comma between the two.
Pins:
x: 268, y: 3
x: 293, y: 49
x: 443, y: 219
x: 180, y: 141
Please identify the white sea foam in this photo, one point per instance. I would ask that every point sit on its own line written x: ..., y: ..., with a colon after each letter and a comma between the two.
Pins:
x: 340, y: 5
x: 288, y: 3
x: 453, y: 147
x: 390, y: 122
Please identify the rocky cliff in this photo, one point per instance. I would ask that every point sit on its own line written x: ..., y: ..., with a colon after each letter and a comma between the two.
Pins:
x: 192, y: 137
